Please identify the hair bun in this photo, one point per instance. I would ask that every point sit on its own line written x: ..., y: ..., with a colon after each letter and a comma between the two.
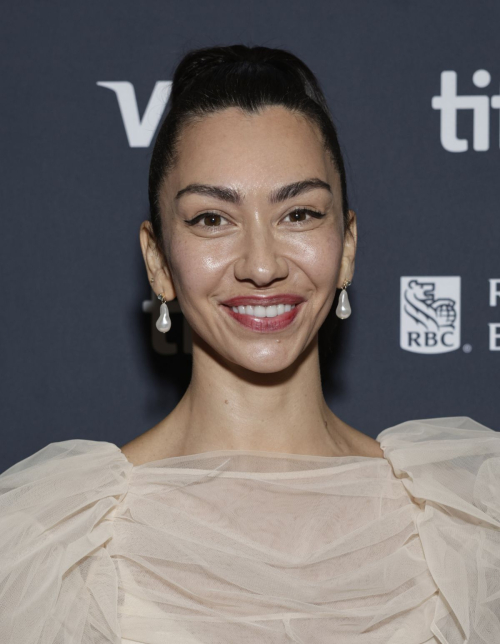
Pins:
x: 202, y: 61
x: 235, y: 61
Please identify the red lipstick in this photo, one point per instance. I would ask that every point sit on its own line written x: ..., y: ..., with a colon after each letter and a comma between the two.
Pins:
x: 264, y: 325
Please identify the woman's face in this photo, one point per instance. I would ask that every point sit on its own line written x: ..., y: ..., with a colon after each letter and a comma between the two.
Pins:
x: 243, y: 242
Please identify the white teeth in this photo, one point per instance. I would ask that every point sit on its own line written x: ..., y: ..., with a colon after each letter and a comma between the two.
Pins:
x: 264, y: 311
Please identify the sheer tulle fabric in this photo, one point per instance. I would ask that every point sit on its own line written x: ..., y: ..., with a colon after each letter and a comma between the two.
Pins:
x: 229, y: 547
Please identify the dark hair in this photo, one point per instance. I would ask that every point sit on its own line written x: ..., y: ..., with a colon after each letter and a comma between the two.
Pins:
x: 211, y: 79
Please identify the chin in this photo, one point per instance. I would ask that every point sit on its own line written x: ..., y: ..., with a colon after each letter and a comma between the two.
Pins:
x: 267, y: 363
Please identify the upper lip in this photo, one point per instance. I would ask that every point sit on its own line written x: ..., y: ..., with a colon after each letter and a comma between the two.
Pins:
x: 269, y: 300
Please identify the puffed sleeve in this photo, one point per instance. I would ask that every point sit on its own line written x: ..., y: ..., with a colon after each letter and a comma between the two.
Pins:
x: 58, y: 584
x: 451, y: 469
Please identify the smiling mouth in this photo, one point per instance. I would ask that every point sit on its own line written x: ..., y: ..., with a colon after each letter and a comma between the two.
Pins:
x: 264, y: 319
x: 259, y: 311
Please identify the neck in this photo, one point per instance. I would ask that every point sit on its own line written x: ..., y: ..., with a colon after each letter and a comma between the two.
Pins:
x: 228, y: 407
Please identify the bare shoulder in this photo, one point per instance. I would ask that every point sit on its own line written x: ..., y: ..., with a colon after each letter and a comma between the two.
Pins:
x: 129, y: 451
x: 144, y: 448
x: 361, y: 444
x: 373, y: 449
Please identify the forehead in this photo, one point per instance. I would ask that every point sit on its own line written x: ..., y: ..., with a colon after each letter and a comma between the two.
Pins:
x: 251, y: 150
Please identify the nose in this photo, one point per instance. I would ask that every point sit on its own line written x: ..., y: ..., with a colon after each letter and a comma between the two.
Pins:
x: 260, y: 259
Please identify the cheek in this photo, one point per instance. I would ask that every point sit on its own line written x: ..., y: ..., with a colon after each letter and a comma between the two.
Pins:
x: 320, y: 258
x: 196, y: 264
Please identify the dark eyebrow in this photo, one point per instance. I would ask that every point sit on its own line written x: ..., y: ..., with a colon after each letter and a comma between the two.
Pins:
x: 233, y: 196
x: 297, y: 188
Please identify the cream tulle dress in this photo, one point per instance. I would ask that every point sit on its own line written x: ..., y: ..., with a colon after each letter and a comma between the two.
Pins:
x: 250, y: 547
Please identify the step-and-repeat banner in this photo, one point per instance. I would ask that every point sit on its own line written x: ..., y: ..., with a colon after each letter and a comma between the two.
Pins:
x: 415, y: 93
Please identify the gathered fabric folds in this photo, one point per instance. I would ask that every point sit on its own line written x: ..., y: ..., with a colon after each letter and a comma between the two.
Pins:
x: 234, y: 546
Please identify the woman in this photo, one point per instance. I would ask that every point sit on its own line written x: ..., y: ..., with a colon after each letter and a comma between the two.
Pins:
x: 252, y: 513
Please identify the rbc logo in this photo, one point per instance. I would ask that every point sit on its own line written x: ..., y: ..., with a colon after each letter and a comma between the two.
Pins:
x: 430, y: 314
x: 448, y: 103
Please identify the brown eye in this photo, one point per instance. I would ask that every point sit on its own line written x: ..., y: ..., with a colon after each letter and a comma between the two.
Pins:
x: 299, y: 215
x: 213, y: 219
x: 210, y: 220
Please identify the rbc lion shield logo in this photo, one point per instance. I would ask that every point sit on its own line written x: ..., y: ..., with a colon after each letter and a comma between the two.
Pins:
x: 430, y: 314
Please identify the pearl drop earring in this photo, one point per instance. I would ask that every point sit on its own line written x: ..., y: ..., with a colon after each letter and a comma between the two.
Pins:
x: 163, y: 323
x: 344, y: 308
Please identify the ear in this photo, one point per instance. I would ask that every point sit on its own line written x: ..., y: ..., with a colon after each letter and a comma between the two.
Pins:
x: 350, y: 242
x: 156, y: 265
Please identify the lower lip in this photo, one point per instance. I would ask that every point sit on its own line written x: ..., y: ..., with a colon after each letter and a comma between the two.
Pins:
x: 265, y: 325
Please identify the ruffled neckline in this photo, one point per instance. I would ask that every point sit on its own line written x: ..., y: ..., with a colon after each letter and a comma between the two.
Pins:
x: 325, y: 464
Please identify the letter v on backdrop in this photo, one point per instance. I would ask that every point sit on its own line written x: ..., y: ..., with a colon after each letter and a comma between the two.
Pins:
x: 139, y: 131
